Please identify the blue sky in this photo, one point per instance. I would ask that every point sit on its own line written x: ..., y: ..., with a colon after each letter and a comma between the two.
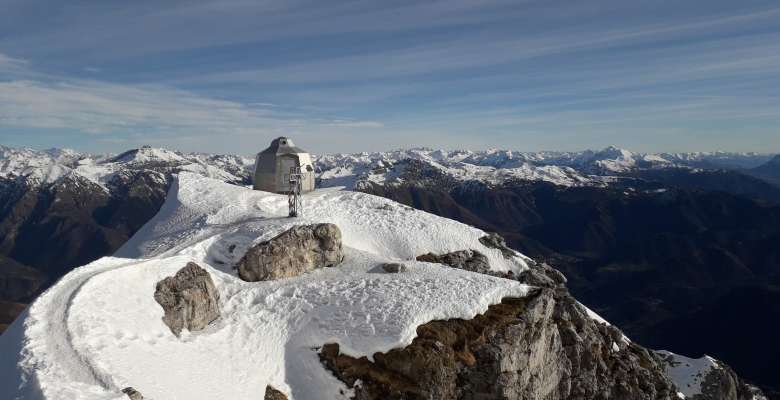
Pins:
x: 229, y: 75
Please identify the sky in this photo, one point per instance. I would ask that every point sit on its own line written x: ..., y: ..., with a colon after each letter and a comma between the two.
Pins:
x: 227, y: 76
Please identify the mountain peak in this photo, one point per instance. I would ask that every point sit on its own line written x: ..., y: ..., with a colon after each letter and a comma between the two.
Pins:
x: 146, y: 154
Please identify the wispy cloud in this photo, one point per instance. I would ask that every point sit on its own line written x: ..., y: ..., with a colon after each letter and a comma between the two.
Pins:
x: 528, y: 74
x: 118, y: 113
x: 10, y: 64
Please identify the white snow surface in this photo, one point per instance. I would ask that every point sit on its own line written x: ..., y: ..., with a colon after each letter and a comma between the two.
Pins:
x: 99, y: 329
x: 688, y: 373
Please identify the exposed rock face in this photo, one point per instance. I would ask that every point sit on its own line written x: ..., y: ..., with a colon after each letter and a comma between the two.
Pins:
x: 132, y: 393
x: 470, y: 260
x: 496, y: 241
x: 714, y: 380
x: 293, y: 252
x: 189, y: 298
x: 723, y: 383
x: 273, y: 394
x: 540, y: 347
x: 394, y: 268
x: 543, y: 346
x: 541, y: 275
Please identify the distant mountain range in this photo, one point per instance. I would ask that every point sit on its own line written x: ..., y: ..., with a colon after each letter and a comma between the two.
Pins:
x: 769, y: 171
x: 584, y: 168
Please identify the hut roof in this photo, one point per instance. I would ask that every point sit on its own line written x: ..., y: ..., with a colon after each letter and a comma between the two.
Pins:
x: 282, y: 145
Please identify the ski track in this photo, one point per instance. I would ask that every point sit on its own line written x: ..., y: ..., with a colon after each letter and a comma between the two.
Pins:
x: 61, y: 335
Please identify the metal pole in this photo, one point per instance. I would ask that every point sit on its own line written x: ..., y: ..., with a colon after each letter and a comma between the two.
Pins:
x: 294, y: 200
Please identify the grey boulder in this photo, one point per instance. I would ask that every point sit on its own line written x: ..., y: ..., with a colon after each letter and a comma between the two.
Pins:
x: 469, y: 260
x: 189, y: 298
x: 294, y: 252
x: 132, y: 393
x: 393, y: 268
x: 273, y: 394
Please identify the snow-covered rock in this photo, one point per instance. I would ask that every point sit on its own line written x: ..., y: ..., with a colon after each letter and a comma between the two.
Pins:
x: 706, y: 378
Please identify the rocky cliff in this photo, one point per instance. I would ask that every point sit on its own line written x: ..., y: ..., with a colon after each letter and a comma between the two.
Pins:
x: 543, y: 346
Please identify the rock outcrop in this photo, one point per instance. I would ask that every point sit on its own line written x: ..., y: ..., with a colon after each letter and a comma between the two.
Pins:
x: 294, y: 252
x: 273, y: 394
x: 708, y: 378
x: 393, y: 268
x: 132, y: 393
x: 543, y: 346
x: 189, y: 298
x: 496, y: 241
x: 723, y: 383
x: 470, y: 260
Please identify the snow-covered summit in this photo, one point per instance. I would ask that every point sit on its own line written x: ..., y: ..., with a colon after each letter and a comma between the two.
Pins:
x: 493, y: 166
x: 580, y: 168
x: 47, y: 167
x: 99, y: 329
x: 148, y: 154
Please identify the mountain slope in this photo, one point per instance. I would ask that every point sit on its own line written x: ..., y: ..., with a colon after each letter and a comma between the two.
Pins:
x: 650, y: 262
x: 60, y: 209
x: 99, y: 329
x: 769, y: 171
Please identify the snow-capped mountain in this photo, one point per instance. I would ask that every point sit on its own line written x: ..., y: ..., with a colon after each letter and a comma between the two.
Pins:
x: 47, y: 167
x: 99, y: 329
x: 584, y: 168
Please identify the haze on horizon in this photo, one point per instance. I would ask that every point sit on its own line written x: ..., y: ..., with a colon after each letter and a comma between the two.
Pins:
x: 227, y: 76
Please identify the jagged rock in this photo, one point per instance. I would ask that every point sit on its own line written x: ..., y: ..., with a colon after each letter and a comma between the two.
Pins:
x: 132, y: 393
x: 496, y: 241
x: 296, y: 251
x: 394, y: 268
x: 189, y: 298
x: 273, y: 394
x: 543, y: 346
x: 716, y: 380
x: 540, y: 275
x: 537, y: 274
x: 470, y: 260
